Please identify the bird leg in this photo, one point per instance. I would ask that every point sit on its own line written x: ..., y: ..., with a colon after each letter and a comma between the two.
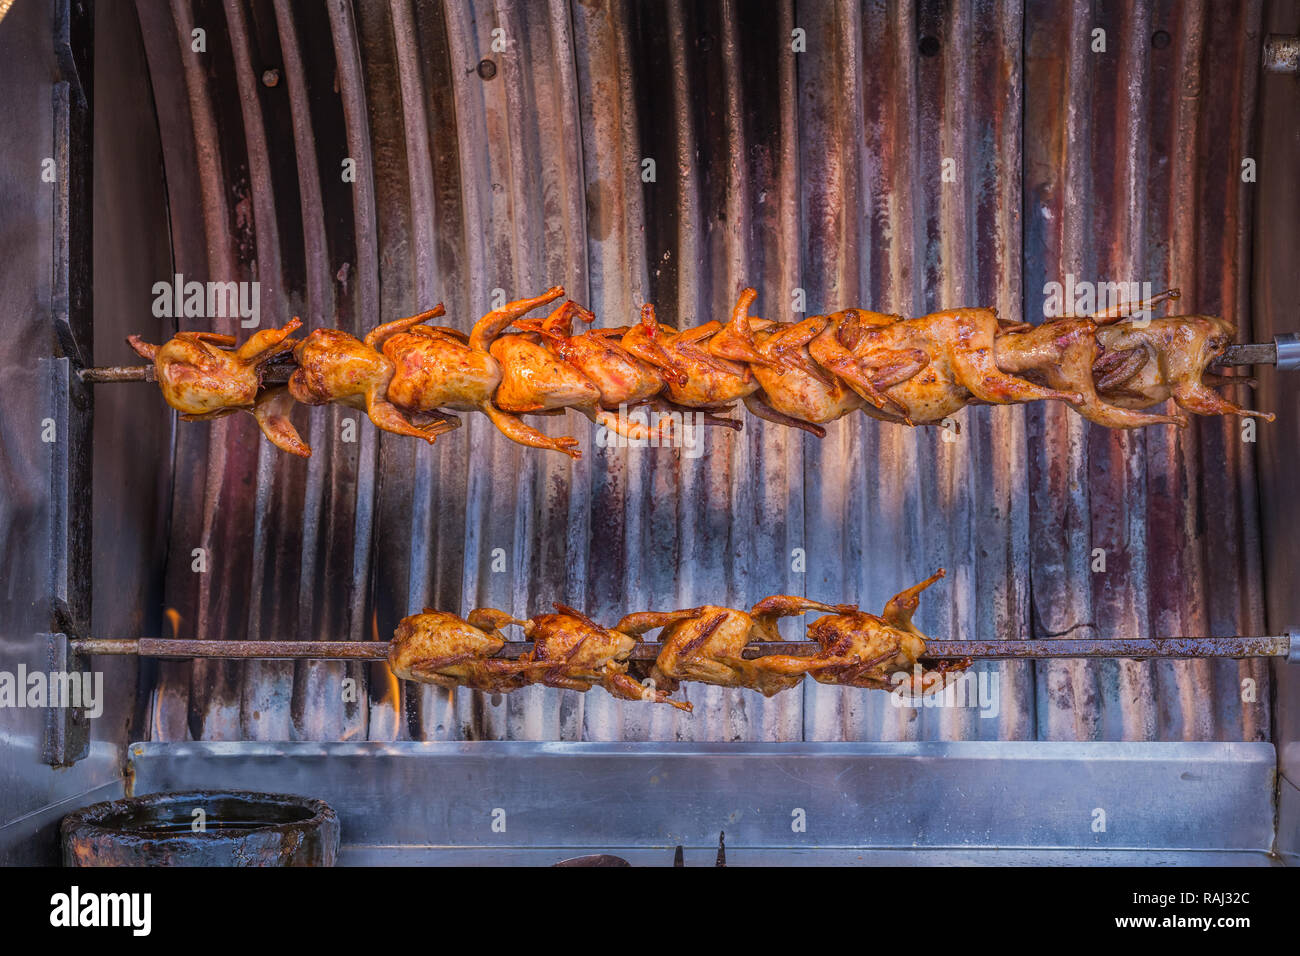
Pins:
x: 735, y: 340
x: 1202, y: 400
x: 771, y: 609
x: 624, y: 687
x: 788, y: 345
x: 378, y: 335
x: 390, y: 418
x: 898, y: 612
x: 272, y: 413
x: 490, y: 621
x: 642, y: 622
x: 1115, y: 312
x: 495, y: 322
x: 978, y: 372
x: 524, y: 434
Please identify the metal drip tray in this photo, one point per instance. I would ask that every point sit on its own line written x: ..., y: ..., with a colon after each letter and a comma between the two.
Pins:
x: 494, y: 802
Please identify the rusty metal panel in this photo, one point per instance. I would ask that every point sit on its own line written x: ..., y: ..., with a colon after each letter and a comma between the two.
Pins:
x: 513, y: 160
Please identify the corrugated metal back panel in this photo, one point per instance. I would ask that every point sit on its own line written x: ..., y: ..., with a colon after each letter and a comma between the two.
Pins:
x: 820, y: 171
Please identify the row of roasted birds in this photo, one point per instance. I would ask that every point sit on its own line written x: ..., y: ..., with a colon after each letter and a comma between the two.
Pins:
x: 407, y: 373
x: 702, y: 644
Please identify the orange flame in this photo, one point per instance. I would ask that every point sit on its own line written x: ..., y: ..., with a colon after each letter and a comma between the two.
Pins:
x: 392, y: 688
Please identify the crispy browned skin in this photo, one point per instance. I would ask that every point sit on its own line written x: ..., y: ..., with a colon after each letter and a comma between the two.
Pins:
x: 436, y: 367
x: 201, y: 373
x: 535, y: 379
x: 203, y: 376
x: 793, y: 389
x: 1146, y: 365
x: 618, y: 379
x: 933, y: 365
x: 703, y: 644
x: 862, y: 650
x: 440, y: 648
x: 698, y: 379
x: 582, y: 654
x: 1061, y: 353
x: 706, y: 644
x: 334, y: 366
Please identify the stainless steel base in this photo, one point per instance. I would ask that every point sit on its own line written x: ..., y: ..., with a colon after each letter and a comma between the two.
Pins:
x: 494, y: 802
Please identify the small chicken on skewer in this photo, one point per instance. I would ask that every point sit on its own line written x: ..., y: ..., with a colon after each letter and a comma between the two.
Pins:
x: 334, y: 366
x: 578, y: 654
x: 707, y: 644
x: 438, y: 368
x: 1145, y: 364
x: 793, y: 387
x: 940, y: 363
x: 535, y: 381
x: 699, y: 379
x: 203, y: 376
x: 862, y: 650
x: 1061, y: 353
x: 622, y: 380
x: 440, y: 648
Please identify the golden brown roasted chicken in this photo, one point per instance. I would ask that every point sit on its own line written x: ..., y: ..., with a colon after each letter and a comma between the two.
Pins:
x: 440, y: 648
x: 334, y: 366
x: 204, y: 376
x: 437, y: 367
x: 1145, y: 364
x: 933, y: 365
x: 581, y: 654
x: 706, y: 644
x: 862, y: 650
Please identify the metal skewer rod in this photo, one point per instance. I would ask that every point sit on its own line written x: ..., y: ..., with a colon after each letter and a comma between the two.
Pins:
x: 274, y: 373
x: 277, y: 371
x: 1137, y: 648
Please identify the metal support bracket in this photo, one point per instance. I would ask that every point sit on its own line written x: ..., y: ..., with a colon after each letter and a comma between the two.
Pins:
x: 67, y: 729
x: 70, y: 402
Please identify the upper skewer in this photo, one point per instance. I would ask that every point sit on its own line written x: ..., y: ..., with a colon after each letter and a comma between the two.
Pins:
x: 277, y: 373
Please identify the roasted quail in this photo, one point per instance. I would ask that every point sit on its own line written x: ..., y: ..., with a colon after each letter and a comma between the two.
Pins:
x: 437, y: 367
x: 440, y: 648
x: 934, y: 365
x: 1062, y: 352
x: 801, y: 374
x: 334, y: 366
x: 706, y: 644
x: 583, y: 654
x: 1145, y: 364
x: 793, y: 388
x: 862, y: 650
x: 203, y: 376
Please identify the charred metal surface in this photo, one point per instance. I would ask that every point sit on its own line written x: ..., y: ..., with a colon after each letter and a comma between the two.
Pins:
x: 820, y: 171
x: 239, y: 828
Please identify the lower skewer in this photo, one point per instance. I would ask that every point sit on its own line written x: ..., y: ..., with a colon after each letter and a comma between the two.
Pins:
x: 1137, y: 648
